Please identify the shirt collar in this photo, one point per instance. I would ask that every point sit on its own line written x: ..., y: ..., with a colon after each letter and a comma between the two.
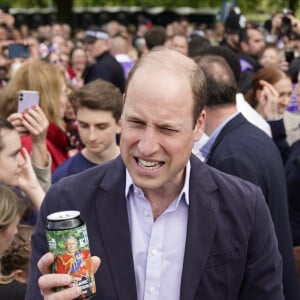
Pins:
x: 205, y: 150
x: 184, y: 192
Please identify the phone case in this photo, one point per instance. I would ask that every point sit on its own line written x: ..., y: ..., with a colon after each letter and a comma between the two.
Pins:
x: 27, y: 99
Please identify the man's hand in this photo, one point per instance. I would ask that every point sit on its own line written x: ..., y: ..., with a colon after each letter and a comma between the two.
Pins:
x: 48, y: 281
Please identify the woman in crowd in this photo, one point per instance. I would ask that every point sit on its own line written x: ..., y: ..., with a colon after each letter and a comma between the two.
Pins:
x: 282, y: 85
x: 270, y: 98
x: 78, y: 63
x: 11, y: 212
x: 270, y: 95
x: 15, y: 265
x: 50, y: 82
x: 16, y: 170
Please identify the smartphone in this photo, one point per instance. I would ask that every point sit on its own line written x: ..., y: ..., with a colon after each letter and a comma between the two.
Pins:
x: 27, y: 99
x: 18, y: 50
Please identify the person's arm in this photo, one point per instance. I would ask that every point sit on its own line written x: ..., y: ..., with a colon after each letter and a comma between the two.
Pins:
x: 44, y: 175
x: 35, y: 123
x: 28, y: 183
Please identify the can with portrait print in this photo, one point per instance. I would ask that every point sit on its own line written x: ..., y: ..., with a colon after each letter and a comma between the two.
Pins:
x: 68, y: 241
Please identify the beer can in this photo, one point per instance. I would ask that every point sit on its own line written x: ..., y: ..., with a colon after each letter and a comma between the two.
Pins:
x: 68, y: 241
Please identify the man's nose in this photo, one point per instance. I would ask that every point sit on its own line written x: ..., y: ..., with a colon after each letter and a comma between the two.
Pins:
x: 148, y: 143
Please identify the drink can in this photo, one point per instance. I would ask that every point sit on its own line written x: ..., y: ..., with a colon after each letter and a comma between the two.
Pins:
x: 68, y: 241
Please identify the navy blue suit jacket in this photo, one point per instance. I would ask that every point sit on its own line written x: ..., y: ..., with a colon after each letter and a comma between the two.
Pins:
x: 243, y: 150
x: 231, y: 249
x: 106, y: 68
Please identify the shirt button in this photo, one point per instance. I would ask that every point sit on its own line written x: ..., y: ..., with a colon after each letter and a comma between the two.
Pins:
x: 151, y: 289
x: 154, y: 252
x: 146, y: 213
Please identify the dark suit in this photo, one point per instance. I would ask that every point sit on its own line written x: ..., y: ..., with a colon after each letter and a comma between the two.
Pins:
x: 245, y: 151
x: 292, y: 169
x: 106, y: 68
x: 231, y: 249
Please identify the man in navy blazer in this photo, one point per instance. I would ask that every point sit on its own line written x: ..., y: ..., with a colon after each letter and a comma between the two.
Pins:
x: 165, y: 225
x: 237, y: 147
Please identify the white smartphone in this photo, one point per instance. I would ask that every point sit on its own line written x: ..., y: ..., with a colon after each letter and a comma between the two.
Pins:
x: 26, y: 99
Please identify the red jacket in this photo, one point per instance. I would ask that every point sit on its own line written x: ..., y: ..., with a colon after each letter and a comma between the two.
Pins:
x: 57, y: 145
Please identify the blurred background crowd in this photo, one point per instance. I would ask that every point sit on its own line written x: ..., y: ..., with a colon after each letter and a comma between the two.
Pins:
x: 61, y: 63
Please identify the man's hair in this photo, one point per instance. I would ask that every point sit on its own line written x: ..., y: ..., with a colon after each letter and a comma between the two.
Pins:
x: 230, y: 57
x: 98, y: 95
x: 221, y: 84
x: 155, y: 36
x: 197, y: 44
x: 181, y: 65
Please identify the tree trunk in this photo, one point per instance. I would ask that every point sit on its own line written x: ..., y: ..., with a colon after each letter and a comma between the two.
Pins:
x: 293, y: 4
x: 64, y: 11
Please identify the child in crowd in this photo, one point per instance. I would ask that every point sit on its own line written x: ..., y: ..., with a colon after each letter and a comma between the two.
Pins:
x: 98, y: 108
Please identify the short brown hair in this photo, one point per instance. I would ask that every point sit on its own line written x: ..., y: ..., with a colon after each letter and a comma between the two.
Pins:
x: 98, y: 95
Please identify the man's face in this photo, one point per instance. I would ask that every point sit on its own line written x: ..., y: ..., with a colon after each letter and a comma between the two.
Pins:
x: 96, y: 48
x: 11, y: 159
x: 180, y: 44
x: 71, y: 245
x: 256, y: 43
x: 157, y: 131
x: 97, y: 130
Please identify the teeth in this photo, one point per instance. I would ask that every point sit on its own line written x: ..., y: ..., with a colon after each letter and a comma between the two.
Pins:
x: 149, y: 164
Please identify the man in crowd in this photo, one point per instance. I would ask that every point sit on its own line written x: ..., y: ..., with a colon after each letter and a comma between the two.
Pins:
x: 239, y: 148
x: 165, y: 225
x: 106, y: 66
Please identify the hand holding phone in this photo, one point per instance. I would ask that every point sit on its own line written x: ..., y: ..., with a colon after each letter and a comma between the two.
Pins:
x: 18, y: 51
x: 27, y: 99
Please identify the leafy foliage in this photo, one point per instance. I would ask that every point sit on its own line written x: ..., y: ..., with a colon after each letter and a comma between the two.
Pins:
x: 252, y: 6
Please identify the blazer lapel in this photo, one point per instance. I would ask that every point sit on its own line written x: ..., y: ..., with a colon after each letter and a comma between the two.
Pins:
x: 115, y: 233
x: 202, y: 225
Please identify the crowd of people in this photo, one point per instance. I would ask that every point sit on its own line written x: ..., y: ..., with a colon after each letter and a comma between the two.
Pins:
x: 178, y: 144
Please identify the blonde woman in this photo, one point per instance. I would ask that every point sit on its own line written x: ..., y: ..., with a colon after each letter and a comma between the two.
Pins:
x: 50, y: 82
x: 11, y: 212
x: 15, y: 265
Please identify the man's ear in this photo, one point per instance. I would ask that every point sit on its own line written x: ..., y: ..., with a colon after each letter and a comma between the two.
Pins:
x: 119, y: 126
x: 199, y: 126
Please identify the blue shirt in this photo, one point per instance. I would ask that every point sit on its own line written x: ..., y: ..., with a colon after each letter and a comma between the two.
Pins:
x: 157, y: 246
x: 72, y: 165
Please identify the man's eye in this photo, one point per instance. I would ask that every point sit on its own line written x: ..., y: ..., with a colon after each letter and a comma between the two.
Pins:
x: 168, y: 131
x: 135, y: 122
